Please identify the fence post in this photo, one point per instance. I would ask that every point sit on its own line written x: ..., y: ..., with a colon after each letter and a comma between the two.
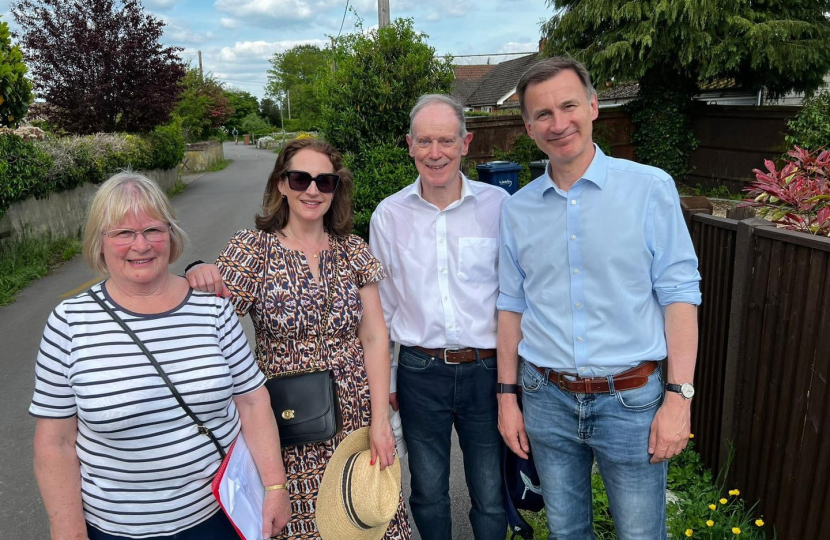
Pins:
x: 735, y: 347
x: 692, y: 205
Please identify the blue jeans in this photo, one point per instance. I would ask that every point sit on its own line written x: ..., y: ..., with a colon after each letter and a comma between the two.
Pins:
x: 567, y: 431
x: 216, y: 527
x: 434, y: 396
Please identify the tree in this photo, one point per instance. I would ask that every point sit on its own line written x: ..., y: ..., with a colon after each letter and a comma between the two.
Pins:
x: 293, y: 79
x: 254, y: 125
x: 270, y: 111
x: 776, y: 45
x: 202, y: 107
x: 15, y: 88
x: 243, y: 104
x: 378, y: 77
x: 100, y: 63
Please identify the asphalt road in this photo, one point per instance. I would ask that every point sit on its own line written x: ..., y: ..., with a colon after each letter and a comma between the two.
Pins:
x: 214, y: 206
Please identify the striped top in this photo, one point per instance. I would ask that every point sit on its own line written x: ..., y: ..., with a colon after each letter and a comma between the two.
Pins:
x: 145, y: 470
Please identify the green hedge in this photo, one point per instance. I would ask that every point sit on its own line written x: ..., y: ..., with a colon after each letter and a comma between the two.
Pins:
x: 35, y: 169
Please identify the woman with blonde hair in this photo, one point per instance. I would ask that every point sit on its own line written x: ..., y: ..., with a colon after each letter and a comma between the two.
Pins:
x: 141, y: 386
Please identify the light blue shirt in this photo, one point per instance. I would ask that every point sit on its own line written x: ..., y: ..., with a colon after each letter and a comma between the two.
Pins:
x: 592, y: 269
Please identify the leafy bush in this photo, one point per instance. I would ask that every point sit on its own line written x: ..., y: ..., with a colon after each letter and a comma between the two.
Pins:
x: 24, y: 170
x: 167, y: 145
x: 379, y: 171
x: 810, y: 129
x: 524, y: 150
x: 255, y: 125
x: 379, y: 76
x: 15, y: 88
x: 796, y: 197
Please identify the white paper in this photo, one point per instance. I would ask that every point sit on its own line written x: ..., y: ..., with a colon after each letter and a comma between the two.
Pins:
x: 241, y: 492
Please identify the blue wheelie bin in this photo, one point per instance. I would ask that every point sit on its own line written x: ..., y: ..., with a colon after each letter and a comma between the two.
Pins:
x: 504, y: 174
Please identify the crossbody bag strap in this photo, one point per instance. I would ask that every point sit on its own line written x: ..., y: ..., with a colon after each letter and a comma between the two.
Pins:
x: 324, y: 321
x: 199, y: 425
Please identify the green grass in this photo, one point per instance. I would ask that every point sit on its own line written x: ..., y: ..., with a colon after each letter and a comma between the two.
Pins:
x: 219, y: 165
x: 696, y: 490
x: 176, y: 188
x: 22, y: 262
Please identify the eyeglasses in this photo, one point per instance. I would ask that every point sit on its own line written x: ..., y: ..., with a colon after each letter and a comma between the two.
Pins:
x: 445, y: 142
x: 125, y: 237
x: 300, y: 180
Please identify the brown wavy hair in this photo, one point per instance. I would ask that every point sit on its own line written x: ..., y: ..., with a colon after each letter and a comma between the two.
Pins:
x: 275, y: 213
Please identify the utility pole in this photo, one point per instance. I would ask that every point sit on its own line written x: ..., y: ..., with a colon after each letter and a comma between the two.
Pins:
x: 288, y: 96
x: 383, y: 13
x: 201, y: 74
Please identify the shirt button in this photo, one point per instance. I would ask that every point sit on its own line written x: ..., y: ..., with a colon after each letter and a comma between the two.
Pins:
x: 573, y: 237
x: 440, y: 240
x: 444, y: 270
x: 582, y: 370
x: 449, y: 325
x: 446, y: 298
x: 577, y: 305
x: 573, y: 202
x: 576, y: 270
x: 578, y: 338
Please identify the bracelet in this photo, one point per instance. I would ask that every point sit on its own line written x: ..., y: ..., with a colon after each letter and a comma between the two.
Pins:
x: 191, y: 265
x: 275, y: 487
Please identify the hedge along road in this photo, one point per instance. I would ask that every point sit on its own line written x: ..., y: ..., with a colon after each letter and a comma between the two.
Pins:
x: 214, y: 206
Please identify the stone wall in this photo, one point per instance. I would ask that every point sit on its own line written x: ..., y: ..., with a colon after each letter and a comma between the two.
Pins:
x: 201, y: 156
x: 63, y: 213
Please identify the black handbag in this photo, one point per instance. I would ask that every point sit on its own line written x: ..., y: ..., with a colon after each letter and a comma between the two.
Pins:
x: 305, y: 402
x: 200, y: 427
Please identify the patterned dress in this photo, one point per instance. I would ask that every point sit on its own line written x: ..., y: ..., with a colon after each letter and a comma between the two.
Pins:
x: 275, y: 286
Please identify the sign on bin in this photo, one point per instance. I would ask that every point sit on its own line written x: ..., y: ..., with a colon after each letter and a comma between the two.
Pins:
x: 504, y: 174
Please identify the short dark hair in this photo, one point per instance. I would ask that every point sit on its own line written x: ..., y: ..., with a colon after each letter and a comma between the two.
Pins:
x: 548, y: 69
x: 274, y: 215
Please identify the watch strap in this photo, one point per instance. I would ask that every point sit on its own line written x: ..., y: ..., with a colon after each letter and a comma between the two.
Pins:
x: 502, y: 388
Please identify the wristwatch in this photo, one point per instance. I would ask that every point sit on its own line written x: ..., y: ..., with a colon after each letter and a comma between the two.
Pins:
x: 502, y: 388
x: 687, y: 390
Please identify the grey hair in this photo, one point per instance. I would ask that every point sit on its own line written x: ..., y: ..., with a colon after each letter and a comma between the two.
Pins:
x: 433, y: 99
x: 548, y: 69
x: 123, y: 194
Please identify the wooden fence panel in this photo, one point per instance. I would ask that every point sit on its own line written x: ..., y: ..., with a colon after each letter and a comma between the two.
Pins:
x: 714, y: 241
x: 782, y: 409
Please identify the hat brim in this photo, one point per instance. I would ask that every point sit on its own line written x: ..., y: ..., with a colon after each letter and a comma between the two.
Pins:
x: 333, y: 522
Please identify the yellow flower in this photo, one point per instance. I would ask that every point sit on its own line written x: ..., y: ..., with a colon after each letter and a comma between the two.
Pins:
x: 689, y: 532
x: 734, y: 492
x: 691, y: 435
x: 736, y: 530
x: 759, y: 522
x: 710, y: 523
x: 723, y: 501
x: 712, y: 507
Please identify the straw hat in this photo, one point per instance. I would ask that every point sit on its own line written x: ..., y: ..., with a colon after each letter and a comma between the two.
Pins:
x: 356, y: 500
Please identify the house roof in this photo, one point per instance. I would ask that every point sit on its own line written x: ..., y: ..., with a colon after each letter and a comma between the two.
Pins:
x: 626, y: 90
x: 501, y: 80
x: 463, y: 88
x: 473, y: 72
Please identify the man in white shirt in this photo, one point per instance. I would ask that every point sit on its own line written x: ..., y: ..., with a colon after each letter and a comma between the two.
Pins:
x: 438, y: 239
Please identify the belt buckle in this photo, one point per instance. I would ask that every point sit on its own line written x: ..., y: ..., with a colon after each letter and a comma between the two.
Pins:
x: 448, y: 350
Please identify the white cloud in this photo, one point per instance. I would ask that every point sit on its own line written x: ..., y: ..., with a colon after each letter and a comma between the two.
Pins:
x: 515, y: 47
x: 228, y: 23
x: 261, y: 50
x: 180, y: 34
x: 283, y: 10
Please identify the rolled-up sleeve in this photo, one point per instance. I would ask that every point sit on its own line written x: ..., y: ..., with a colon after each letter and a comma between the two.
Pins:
x: 511, y: 276
x: 674, y: 269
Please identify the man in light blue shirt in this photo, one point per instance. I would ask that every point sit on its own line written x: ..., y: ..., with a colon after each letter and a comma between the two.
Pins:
x: 598, y: 280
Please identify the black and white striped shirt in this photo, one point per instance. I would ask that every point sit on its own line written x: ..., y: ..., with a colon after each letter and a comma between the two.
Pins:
x: 145, y: 470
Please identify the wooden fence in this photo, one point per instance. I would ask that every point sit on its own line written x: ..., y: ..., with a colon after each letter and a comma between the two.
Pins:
x: 764, y: 366
x: 733, y: 140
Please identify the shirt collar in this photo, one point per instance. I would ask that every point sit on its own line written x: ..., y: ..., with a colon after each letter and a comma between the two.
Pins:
x: 467, y: 190
x: 596, y: 172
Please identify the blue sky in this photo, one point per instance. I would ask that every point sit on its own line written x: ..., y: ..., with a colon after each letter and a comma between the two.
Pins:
x: 237, y: 37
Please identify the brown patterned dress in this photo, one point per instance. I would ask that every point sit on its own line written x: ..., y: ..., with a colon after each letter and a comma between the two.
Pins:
x: 275, y: 286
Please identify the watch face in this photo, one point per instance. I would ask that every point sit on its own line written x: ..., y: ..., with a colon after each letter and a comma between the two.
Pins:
x: 687, y: 390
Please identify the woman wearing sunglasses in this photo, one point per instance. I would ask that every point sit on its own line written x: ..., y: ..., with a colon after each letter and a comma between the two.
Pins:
x: 281, y: 274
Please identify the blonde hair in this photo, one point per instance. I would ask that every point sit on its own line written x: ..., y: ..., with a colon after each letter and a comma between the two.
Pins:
x: 121, y: 195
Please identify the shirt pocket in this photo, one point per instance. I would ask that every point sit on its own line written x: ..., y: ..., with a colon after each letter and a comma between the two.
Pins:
x: 477, y: 260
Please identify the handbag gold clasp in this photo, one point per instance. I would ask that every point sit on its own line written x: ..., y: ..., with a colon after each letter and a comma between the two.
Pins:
x: 288, y: 414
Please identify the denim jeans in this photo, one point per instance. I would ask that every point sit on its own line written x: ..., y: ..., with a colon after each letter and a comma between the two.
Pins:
x: 434, y: 396
x: 567, y: 431
x: 216, y: 527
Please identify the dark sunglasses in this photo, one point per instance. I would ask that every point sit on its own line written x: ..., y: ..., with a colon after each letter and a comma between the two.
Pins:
x: 300, y: 180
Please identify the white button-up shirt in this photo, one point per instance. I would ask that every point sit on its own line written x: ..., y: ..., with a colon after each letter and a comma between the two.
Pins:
x: 442, y: 266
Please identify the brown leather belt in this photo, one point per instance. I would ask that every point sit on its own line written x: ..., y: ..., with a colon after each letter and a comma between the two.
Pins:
x: 455, y: 355
x: 626, y: 380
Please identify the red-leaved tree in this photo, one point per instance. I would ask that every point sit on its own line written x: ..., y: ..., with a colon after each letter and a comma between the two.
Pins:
x: 99, y: 63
